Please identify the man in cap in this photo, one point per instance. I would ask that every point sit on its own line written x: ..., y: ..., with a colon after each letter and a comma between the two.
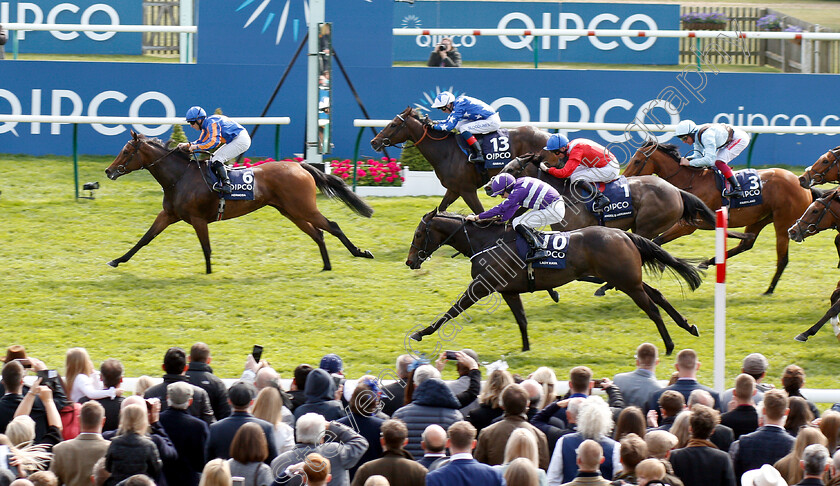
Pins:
x: 241, y: 396
x: 188, y: 435
x: 755, y: 365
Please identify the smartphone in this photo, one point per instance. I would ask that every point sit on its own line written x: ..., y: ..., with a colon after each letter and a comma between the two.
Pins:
x: 257, y: 352
x: 238, y: 481
x: 46, y: 375
x: 451, y: 355
x: 24, y: 362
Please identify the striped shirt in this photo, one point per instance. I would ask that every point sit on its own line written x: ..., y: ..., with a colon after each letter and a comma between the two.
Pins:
x: 526, y: 192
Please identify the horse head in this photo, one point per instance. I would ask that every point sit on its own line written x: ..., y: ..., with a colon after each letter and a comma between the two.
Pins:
x: 646, y: 159
x: 825, y: 169
x: 399, y: 130
x: 422, y: 245
x: 138, y: 153
x: 516, y: 167
x: 820, y: 215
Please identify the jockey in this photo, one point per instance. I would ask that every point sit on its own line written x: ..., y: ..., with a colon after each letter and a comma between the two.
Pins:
x: 468, y: 115
x: 215, y: 130
x: 546, y: 206
x: 714, y: 144
x: 586, y: 162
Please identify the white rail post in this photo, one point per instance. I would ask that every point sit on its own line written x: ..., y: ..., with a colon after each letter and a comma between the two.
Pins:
x: 185, y: 13
x: 720, y: 299
x: 316, y: 17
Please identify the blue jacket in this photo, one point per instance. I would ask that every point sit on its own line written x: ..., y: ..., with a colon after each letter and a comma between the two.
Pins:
x: 685, y: 387
x: 766, y: 445
x: 222, y: 432
x: 217, y: 129
x: 432, y: 403
x: 466, y: 472
x: 465, y: 107
x: 320, y: 397
x: 188, y: 434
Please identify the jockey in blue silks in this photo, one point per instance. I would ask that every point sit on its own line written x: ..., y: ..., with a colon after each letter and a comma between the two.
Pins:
x: 217, y: 130
x: 468, y: 115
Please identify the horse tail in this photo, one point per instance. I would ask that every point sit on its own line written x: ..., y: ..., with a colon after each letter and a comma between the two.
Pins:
x: 653, y: 256
x: 332, y: 186
x: 694, y: 208
x: 817, y: 193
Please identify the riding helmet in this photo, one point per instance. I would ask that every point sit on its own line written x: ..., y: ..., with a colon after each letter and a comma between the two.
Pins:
x: 556, y: 142
x: 501, y: 183
x: 685, y: 127
x: 196, y: 113
x: 443, y: 99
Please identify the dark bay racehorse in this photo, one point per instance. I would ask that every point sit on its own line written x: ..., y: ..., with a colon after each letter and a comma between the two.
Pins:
x: 822, y: 214
x: 825, y: 169
x: 783, y: 199
x: 606, y: 253
x: 456, y: 174
x: 288, y: 187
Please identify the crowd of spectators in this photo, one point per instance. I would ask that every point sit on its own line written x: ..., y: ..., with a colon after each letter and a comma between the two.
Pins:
x: 193, y: 430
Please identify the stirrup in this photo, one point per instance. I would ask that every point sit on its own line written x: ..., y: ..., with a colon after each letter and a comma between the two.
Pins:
x: 733, y: 193
x: 535, y: 255
x: 600, y: 204
x: 222, y: 187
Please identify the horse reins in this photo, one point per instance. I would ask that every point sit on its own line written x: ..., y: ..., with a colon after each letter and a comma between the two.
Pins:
x: 387, y: 141
x: 424, y: 254
x: 835, y: 152
x: 136, y: 145
x: 812, y: 228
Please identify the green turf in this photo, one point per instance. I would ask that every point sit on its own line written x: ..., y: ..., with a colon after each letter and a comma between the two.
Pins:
x: 267, y: 288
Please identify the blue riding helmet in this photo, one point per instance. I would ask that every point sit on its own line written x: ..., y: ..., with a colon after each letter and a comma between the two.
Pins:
x: 556, y: 142
x: 196, y: 113
x: 501, y: 183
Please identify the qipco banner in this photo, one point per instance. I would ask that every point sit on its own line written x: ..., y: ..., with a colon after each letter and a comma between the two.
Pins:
x: 532, y: 15
x: 84, y: 12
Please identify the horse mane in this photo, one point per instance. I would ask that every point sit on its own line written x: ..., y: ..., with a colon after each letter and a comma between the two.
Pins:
x: 158, y: 143
x: 668, y: 148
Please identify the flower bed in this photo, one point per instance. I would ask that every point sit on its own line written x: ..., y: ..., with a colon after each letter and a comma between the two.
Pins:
x: 387, y: 172
x: 769, y: 23
x: 704, y: 21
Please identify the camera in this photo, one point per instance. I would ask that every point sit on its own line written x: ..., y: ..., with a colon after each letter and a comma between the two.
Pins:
x: 452, y: 355
x: 441, y: 47
x: 47, y: 377
x: 338, y: 380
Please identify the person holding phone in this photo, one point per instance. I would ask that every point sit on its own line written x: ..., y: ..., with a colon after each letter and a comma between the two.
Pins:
x: 444, y: 55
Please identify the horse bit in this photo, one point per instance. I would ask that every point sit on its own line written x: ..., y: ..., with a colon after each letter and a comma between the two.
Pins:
x: 813, y: 228
x: 821, y: 180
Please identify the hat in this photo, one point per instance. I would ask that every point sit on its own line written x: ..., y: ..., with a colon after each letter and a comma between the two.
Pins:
x: 755, y: 364
x: 14, y: 352
x: 331, y: 363
x: 241, y: 394
x: 178, y: 394
x: 766, y: 476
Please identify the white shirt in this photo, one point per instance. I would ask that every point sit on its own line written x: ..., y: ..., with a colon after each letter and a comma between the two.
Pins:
x: 91, y: 387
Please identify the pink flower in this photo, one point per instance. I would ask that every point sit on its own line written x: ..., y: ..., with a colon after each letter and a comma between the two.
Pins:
x: 361, y: 172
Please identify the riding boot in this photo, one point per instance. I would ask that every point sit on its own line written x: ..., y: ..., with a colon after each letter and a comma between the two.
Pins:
x: 734, y: 188
x: 476, y: 156
x: 591, y: 192
x: 537, y: 251
x: 221, y: 171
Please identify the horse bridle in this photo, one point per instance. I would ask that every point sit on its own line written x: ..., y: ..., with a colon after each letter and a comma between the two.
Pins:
x: 386, y: 142
x: 813, y: 228
x: 424, y: 253
x: 815, y: 181
x: 121, y: 168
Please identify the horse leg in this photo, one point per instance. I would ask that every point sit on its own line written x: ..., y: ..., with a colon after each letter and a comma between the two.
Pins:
x: 476, y: 290
x: 837, y: 246
x: 448, y: 198
x: 333, y: 228
x: 318, y: 237
x: 641, y: 298
x: 746, y: 244
x: 200, y: 227
x: 660, y: 300
x: 162, y: 220
x: 782, y: 252
x: 673, y: 233
x: 832, y: 313
x: 471, y: 198
x: 515, y: 303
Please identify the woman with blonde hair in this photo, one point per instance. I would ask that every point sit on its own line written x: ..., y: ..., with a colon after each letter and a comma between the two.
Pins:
x: 522, y: 443
x: 216, y: 473
x: 490, y: 400
x: 248, y: 451
x: 82, y: 379
x: 830, y: 427
x: 522, y: 472
x: 680, y: 429
x: 143, y: 383
x: 269, y: 407
x: 545, y: 376
x: 789, y: 466
x: 132, y: 451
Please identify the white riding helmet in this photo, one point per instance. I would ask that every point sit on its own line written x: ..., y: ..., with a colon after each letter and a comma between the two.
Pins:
x: 685, y: 127
x: 443, y: 99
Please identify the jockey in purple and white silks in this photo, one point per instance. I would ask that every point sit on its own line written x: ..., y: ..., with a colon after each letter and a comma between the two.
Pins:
x: 545, y: 204
x: 468, y: 115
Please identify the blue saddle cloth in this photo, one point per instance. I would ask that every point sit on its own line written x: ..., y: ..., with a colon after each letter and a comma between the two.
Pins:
x: 557, y: 244
x: 241, y: 184
x: 496, y: 147
x: 750, y: 183
x: 618, y: 192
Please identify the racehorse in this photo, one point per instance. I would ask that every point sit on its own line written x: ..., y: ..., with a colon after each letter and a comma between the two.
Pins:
x: 288, y: 187
x: 613, y: 255
x: 456, y: 174
x: 822, y: 214
x: 783, y: 199
x: 825, y: 169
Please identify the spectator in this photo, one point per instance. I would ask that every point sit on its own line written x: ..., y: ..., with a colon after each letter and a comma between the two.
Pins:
x: 660, y: 444
x: 523, y: 472
x: 21, y: 482
x: 743, y: 417
x: 554, y: 428
x: 99, y: 474
x: 138, y: 480
x: 82, y: 380
x: 799, y: 415
x: 433, y: 442
x: 671, y: 403
x: 650, y: 471
x: 444, y: 55
x: 321, y: 397
x: 770, y: 442
x: 377, y: 481
x: 241, y: 398
x: 248, y: 452
x: 580, y: 385
x: 680, y: 429
x: 13, y: 382
x: 545, y: 376
x: 594, y: 421
x: 111, y: 372
x: 73, y: 460
x: 633, y: 450
x: 142, y: 384
x: 788, y: 466
x: 489, y: 402
x: 269, y: 407
x: 522, y: 444
x: 344, y: 448
x: 630, y: 420
x: 22, y: 429
x: 296, y: 389
x: 43, y: 478
x: 200, y: 374
x: 755, y: 365
x: 814, y: 464
x: 394, y: 393
x: 316, y: 469
x: 332, y: 364
x: 830, y: 427
x: 687, y: 365
x: 363, y: 406
x: 432, y: 403
x: 468, y: 384
x: 396, y: 465
x: 766, y: 475
x: 535, y: 392
x: 722, y: 436
x: 175, y: 365
x: 701, y: 463
x: 491, y: 442
x: 267, y: 377
x: 216, y: 473
x: 834, y: 469
x: 462, y: 468
x: 188, y: 435
x: 2, y: 42
x: 637, y: 386
x: 793, y: 379
x: 589, y: 456
x: 131, y: 451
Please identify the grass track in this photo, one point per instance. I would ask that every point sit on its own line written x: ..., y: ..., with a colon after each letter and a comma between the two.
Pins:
x: 267, y: 288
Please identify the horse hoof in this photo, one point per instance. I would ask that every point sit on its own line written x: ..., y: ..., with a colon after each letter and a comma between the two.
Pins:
x: 366, y: 254
x: 554, y: 296
x: 693, y: 330
x: 801, y: 338
x: 669, y: 348
x: 768, y: 292
x: 703, y: 266
x: 600, y: 292
x: 415, y: 336
x: 113, y: 263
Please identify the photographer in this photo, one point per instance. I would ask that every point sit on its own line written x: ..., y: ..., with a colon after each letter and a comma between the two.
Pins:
x: 445, y: 55
x: 2, y: 42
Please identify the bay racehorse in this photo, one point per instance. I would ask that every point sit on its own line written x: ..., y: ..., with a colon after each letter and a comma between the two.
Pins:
x: 783, y: 200
x: 456, y: 174
x: 825, y: 169
x: 610, y: 254
x: 288, y: 187
x: 822, y: 214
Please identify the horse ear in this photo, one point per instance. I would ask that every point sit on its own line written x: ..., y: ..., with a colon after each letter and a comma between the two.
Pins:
x: 134, y: 135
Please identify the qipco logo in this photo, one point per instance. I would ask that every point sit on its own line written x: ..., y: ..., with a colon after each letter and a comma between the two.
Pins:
x: 68, y: 13
x: 457, y: 40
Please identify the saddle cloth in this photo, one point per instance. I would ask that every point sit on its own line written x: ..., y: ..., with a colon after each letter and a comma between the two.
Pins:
x: 618, y: 192
x: 241, y: 183
x: 496, y: 147
x: 557, y: 244
x: 750, y: 183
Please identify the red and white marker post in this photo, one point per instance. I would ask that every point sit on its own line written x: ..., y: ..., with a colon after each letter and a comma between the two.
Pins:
x: 722, y: 221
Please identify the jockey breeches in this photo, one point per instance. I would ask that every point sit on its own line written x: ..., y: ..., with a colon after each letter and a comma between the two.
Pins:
x: 606, y: 173
x: 486, y: 125
x: 740, y: 140
x: 233, y: 149
x: 537, y: 218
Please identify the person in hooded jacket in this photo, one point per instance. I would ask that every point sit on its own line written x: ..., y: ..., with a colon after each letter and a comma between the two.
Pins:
x: 320, y: 397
